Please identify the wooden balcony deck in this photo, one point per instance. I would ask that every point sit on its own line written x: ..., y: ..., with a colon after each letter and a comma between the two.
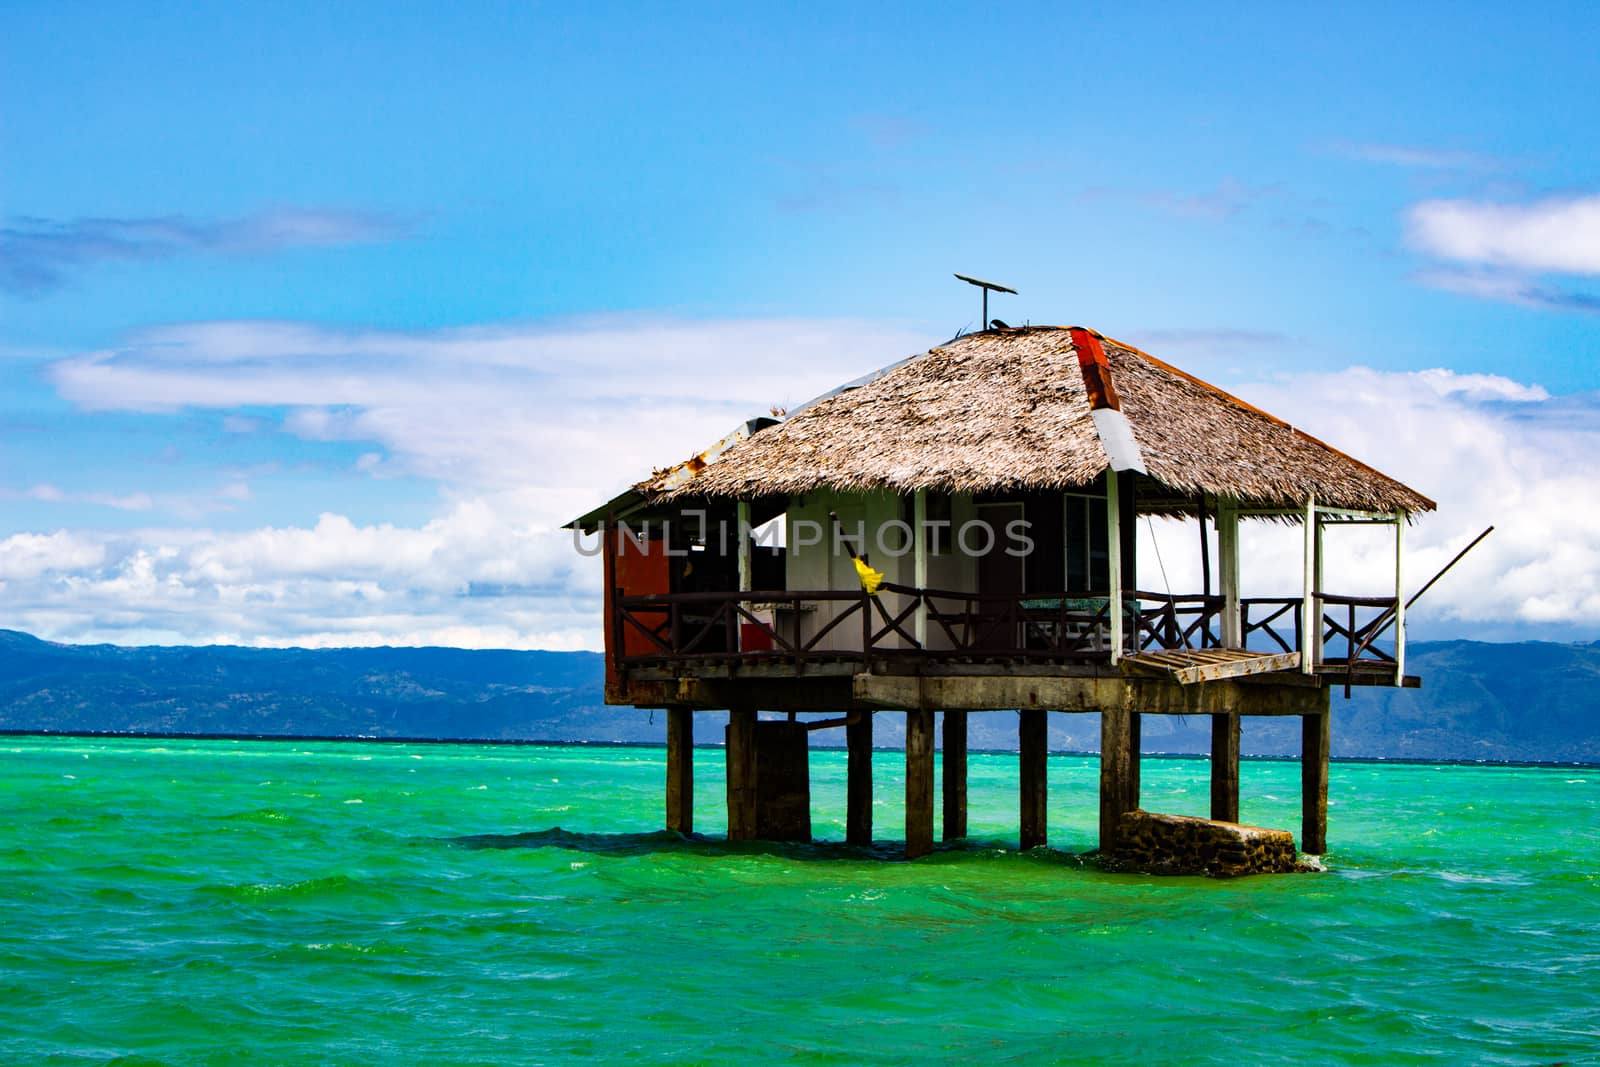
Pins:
x: 761, y: 636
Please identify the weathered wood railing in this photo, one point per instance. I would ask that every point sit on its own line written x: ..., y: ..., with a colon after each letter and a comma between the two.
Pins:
x: 770, y: 625
x: 1353, y: 628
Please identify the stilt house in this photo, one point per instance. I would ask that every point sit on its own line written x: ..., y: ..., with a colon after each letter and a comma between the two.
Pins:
x: 956, y: 533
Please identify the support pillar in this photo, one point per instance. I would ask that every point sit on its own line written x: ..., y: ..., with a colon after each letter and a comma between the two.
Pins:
x: 680, y: 770
x: 783, y: 781
x: 919, y: 783
x: 1225, y: 768
x: 1314, y: 739
x: 741, y: 756
x: 955, y: 775
x: 1135, y: 755
x: 1119, y: 783
x: 1034, y: 748
x: 858, y: 787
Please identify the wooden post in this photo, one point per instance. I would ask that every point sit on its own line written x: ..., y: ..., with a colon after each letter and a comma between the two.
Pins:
x: 1114, y: 562
x: 919, y: 563
x: 680, y: 770
x: 1225, y: 767
x: 955, y: 775
x: 1310, y: 615
x: 919, y: 783
x: 858, y: 788
x: 1228, y: 568
x: 1119, y: 789
x: 1399, y: 598
x: 1314, y: 737
x: 742, y: 524
x: 1034, y: 748
x: 741, y: 757
x: 1314, y: 640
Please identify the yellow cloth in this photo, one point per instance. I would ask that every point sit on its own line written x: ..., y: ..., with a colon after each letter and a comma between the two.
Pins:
x: 870, y: 579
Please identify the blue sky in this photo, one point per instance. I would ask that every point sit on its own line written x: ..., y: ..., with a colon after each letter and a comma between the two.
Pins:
x: 316, y: 319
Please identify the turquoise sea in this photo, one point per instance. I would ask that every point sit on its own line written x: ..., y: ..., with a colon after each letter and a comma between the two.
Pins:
x: 277, y: 902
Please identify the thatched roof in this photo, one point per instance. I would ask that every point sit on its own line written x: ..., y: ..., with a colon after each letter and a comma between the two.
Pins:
x: 1008, y: 409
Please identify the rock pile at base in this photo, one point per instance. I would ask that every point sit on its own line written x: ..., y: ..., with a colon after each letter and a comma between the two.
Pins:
x: 1179, y: 844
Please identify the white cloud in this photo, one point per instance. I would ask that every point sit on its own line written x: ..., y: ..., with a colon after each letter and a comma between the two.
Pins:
x: 27, y: 555
x: 1559, y: 234
x: 1491, y: 451
x: 590, y: 404
x: 525, y: 428
x: 1413, y: 156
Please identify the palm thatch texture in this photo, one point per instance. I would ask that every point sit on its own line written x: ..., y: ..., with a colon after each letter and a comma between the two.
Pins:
x: 1007, y: 409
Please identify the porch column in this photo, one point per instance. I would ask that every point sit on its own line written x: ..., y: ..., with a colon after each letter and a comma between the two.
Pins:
x: 1228, y: 576
x: 741, y: 757
x: 680, y: 770
x: 919, y: 562
x: 1310, y: 616
x: 1114, y: 562
x: 1317, y: 584
x: 1119, y: 783
x: 919, y: 783
x: 1314, y: 739
x: 1225, y: 767
x: 858, y: 774
x: 955, y: 775
x: 746, y: 575
x: 1399, y: 598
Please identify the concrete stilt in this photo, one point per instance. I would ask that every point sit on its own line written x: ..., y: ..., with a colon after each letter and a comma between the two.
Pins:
x: 919, y: 783
x: 1119, y: 783
x: 1225, y: 767
x: 955, y: 775
x: 858, y: 789
x: 1034, y: 749
x: 741, y: 758
x: 1314, y: 738
x: 680, y: 770
x: 783, y: 781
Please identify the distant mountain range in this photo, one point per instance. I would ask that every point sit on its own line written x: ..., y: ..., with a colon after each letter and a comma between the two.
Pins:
x: 1535, y: 701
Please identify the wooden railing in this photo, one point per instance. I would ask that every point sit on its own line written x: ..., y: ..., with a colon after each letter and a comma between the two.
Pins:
x: 1353, y: 627
x: 770, y: 625
x: 1264, y: 623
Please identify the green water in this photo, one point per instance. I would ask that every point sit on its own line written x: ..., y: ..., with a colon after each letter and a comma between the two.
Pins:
x: 279, y: 902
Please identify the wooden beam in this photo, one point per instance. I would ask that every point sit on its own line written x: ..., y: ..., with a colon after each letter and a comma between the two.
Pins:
x: 680, y: 770
x: 1118, y: 787
x: 1228, y: 568
x: 1314, y: 738
x: 858, y: 787
x: 1186, y: 667
x: 1225, y: 768
x: 1034, y: 750
x: 919, y: 783
x: 955, y: 775
x: 741, y: 758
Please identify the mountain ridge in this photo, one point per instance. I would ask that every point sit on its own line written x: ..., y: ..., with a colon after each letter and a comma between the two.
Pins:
x: 1529, y: 701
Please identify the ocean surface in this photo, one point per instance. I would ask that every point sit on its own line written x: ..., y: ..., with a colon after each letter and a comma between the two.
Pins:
x: 277, y: 902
